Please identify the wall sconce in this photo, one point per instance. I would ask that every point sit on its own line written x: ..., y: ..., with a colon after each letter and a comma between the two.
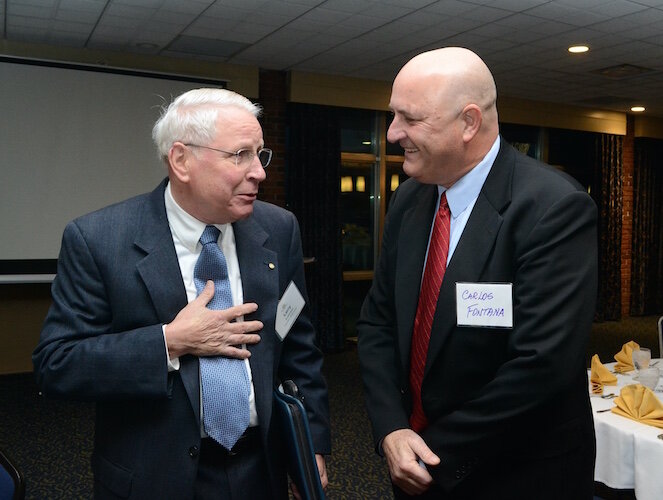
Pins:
x: 395, y: 181
x: 346, y: 184
x: 361, y: 184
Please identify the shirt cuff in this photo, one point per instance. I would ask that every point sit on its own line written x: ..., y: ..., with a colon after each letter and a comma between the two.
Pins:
x: 173, y: 364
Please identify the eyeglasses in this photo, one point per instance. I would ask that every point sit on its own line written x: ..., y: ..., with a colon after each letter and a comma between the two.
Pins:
x: 243, y: 157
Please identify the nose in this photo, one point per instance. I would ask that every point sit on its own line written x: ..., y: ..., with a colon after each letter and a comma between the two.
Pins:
x: 395, y: 132
x: 256, y: 171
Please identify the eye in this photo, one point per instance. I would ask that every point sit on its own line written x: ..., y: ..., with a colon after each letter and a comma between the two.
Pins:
x: 244, y: 156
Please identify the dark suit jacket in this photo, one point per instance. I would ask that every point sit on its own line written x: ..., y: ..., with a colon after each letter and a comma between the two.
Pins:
x: 489, y: 393
x: 118, y: 282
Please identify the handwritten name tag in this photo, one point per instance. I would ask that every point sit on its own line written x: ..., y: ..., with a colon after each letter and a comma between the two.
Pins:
x: 484, y: 304
x: 288, y: 309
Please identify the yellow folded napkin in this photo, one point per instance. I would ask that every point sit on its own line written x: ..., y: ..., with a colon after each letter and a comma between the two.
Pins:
x: 639, y: 403
x: 624, y: 357
x: 600, y: 376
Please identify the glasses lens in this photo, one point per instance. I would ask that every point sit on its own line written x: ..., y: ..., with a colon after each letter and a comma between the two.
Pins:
x: 244, y: 157
x: 265, y: 156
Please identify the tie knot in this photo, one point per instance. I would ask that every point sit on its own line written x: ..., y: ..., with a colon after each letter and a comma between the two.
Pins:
x: 210, y: 234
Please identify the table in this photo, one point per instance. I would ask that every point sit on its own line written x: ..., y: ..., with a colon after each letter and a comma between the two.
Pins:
x: 628, y: 454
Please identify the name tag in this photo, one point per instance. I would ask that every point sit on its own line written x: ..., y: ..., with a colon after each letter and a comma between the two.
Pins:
x: 484, y: 304
x: 288, y: 309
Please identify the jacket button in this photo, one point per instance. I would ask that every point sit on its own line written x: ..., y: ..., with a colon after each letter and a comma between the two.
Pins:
x: 193, y: 451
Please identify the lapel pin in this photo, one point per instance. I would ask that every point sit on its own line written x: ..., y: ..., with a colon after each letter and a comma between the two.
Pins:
x: 271, y: 265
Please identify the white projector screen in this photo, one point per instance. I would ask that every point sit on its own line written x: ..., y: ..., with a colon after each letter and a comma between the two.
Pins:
x: 72, y: 140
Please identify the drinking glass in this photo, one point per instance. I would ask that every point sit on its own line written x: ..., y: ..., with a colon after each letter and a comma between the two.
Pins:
x: 641, y: 359
x: 649, y: 377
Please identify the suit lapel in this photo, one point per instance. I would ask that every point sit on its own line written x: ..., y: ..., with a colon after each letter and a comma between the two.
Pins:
x: 160, y: 271
x: 474, y: 247
x: 260, y: 284
x: 412, y: 243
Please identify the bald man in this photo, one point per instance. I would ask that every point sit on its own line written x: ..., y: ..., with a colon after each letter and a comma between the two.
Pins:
x: 476, y: 386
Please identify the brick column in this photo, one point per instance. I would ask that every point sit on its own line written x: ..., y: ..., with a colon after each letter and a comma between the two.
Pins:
x: 627, y: 212
x: 273, y: 93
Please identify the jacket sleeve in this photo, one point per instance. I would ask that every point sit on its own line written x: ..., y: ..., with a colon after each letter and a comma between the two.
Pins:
x: 385, y: 389
x: 301, y: 360
x: 79, y: 356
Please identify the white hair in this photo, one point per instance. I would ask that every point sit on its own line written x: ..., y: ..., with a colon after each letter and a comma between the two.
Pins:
x: 192, y: 116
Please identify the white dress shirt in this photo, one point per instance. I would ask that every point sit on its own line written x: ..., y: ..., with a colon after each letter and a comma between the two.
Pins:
x: 186, y: 231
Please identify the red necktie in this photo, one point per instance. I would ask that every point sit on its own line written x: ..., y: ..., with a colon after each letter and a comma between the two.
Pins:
x: 436, y: 264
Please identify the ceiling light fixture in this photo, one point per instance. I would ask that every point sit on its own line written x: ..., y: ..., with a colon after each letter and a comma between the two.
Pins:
x: 638, y: 109
x: 578, y: 49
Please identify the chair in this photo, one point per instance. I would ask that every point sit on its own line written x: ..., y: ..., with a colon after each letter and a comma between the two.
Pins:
x: 660, y: 337
x: 12, y: 483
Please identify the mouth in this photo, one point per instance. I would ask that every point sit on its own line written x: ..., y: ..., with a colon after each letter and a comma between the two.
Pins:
x: 410, y: 150
x: 249, y: 197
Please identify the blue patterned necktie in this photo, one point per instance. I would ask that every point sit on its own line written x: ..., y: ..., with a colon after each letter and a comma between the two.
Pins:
x: 225, y: 381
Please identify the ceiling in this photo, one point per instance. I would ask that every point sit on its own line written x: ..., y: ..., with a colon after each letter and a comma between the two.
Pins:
x: 523, y: 41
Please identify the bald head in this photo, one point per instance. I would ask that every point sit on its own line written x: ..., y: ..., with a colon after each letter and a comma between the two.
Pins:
x: 445, y: 114
x: 456, y: 74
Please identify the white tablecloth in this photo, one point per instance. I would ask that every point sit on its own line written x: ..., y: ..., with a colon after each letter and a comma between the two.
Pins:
x: 628, y: 454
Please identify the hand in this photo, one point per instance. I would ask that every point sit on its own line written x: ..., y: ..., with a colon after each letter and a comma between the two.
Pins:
x: 206, y: 332
x: 322, y: 470
x: 403, y: 449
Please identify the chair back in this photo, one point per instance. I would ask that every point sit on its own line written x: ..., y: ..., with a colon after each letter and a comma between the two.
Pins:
x: 660, y: 337
x: 12, y: 484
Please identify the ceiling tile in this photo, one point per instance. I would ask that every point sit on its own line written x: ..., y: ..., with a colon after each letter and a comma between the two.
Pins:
x: 555, y: 11
x: 450, y: 7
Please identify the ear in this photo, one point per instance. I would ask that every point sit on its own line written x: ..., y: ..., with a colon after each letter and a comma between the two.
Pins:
x: 472, y: 117
x: 178, y: 161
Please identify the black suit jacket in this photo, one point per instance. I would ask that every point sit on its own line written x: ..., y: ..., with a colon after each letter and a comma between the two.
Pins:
x: 118, y: 282
x: 488, y: 392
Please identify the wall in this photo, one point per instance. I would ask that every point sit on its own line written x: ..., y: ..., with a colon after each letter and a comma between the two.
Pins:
x: 22, y: 311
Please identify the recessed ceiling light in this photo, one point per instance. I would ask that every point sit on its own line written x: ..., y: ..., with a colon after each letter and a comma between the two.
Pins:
x: 638, y: 109
x: 578, y: 49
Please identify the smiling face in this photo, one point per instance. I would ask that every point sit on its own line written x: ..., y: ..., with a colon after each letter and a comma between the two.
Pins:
x: 208, y: 184
x: 444, y: 114
x: 428, y: 126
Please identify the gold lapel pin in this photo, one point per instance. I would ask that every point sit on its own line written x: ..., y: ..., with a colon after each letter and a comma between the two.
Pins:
x: 271, y: 265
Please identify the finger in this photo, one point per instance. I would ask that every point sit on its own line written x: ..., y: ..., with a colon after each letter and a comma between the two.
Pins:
x: 243, y: 309
x: 246, y: 327
x: 207, y: 293
x: 295, y: 491
x: 236, y: 315
x: 234, y: 352
x: 414, y: 478
x: 423, y: 452
x: 322, y: 470
x: 239, y: 339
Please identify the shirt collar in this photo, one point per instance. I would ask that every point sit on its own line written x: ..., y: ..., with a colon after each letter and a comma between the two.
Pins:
x: 467, y: 188
x: 183, y: 225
